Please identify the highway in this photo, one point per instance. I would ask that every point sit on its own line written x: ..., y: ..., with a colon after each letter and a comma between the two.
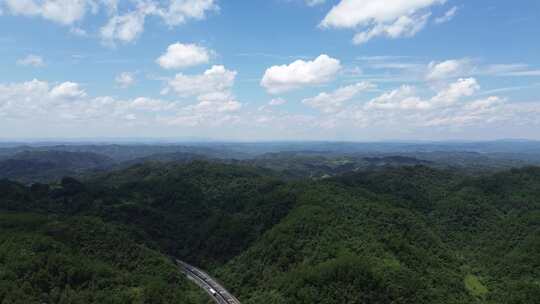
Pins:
x: 211, y: 286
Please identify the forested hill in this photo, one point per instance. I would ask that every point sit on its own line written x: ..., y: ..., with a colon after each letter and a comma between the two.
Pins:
x: 48, y: 162
x: 32, y: 166
x: 410, y: 234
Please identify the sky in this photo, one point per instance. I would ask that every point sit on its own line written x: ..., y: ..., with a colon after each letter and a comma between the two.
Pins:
x: 250, y: 70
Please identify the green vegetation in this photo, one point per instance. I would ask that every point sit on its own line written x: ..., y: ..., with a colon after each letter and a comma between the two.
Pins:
x: 409, y: 234
x: 32, y: 166
x: 474, y: 286
x: 82, y: 260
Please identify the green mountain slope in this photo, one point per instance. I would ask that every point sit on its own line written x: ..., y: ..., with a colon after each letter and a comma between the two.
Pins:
x: 82, y: 260
x: 392, y: 235
x: 32, y: 166
x: 407, y: 235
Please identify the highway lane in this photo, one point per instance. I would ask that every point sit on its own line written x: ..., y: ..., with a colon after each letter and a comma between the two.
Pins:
x: 210, y: 285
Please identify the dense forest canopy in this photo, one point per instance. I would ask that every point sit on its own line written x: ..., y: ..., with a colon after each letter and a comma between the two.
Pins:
x: 400, y: 230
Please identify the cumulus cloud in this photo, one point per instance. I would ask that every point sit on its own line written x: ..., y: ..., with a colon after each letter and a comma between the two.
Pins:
x: 36, y: 101
x: 212, y: 90
x: 353, y: 13
x: 406, y: 97
x: 32, y: 60
x: 123, y: 26
x: 63, y: 104
x: 129, y: 26
x: 272, y: 104
x: 150, y: 105
x: 481, y: 111
x: 461, y: 88
x: 179, y: 11
x: 64, y: 12
x: 63, y: 107
x: 278, y: 79
x: 405, y: 110
x: 449, y: 69
x: 404, y: 26
x: 180, y: 56
x: 210, y: 103
x: 67, y: 90
x: 394, y: 19
x: 215, y: 79
x: 332, y: 102
x: 125, y: 79
x: 484, y: 104
x: 403, y: 98
x: 15, y: 96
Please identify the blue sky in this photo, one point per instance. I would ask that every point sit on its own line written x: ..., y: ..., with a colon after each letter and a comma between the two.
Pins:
x: 270, y: 70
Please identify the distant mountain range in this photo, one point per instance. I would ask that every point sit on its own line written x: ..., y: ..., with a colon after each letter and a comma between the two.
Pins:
x: 30, y: 163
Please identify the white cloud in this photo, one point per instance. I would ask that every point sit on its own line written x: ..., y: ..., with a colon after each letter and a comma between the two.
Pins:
x: 449, y: 69
x: 129, y: 26
x: 274, y: 103
x: 212, y: 90
x: 411, y: 69
x: 38, y: 103
x: 333, y: 102
x: 123, y: 26
x: 179, y: 11
x: 67, y: 90
x: 353, y: 13
x: 33, y: 90
x: 65, y: 109
x: 403, y: 98
x: 278, y: 79
x: 126, y: 28
x: 32, y: 60
x: 451, y: 94
x: 216, y: 103
x: 125, y: 79
x: 65, y: 12
x: 448, y: 16
x: 482, y: 111
x: 406, y: 98
x: 404, y: 26
x: 215, y: 79
x: 403, y: 111
x: 180, y: 56
x: 150, y: 105
x: 397, y: 18
x: 484, y: 104
x: 277, y: 102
